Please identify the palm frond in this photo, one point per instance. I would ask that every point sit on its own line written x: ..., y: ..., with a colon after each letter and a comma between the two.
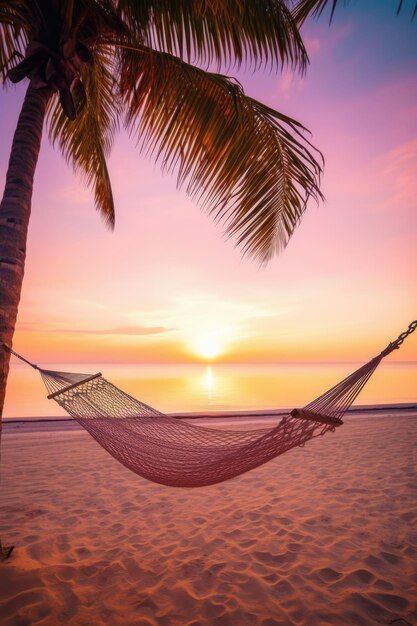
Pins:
x: 400, y: 6
x: 220, y: 31
x: 315, y: 8
x: 97, y: 19
x: 13, y: 37
x: 250, y: 166
x: 86, y: 141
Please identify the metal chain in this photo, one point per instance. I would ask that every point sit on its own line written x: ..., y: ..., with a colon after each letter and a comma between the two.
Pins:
x: 394, y: 345
x: 405, y: 334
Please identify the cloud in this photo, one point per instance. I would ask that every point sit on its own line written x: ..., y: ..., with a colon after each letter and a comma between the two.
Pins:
x: 119, y: 330
x: 289, y: 83
x: 124, y: 330
x: 312, y: 44
x: 400, y: 171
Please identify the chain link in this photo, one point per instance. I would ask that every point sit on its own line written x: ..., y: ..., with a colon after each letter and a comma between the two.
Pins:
x: 405, y: 334
x: 394, y: 345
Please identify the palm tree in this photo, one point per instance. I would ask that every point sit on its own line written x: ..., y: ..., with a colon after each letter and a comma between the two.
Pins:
x: 93, y: 64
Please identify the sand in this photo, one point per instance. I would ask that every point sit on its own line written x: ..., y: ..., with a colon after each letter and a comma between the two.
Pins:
x: 322, y: 536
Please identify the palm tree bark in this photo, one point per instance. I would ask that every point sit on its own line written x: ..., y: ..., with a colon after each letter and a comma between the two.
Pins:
x: 15, y: 210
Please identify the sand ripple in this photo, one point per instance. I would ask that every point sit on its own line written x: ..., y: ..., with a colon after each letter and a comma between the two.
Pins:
x: 323, y: 536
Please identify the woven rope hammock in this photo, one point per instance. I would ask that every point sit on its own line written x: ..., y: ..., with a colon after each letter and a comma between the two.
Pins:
x: 172, y: 452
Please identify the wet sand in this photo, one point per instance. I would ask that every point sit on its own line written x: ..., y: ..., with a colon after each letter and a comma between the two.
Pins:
x: 321, y: 536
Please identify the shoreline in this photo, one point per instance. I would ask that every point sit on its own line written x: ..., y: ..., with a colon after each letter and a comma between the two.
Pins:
x: 366, y: 408
x: 38, y: 424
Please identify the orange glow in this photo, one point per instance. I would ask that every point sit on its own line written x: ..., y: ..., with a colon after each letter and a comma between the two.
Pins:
x: 198, y: 387
x: 166, y: 288
x: 209, y: 346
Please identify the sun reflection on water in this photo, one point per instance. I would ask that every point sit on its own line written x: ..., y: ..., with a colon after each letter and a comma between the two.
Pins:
x: 209, y: 383
x: 188, y: 388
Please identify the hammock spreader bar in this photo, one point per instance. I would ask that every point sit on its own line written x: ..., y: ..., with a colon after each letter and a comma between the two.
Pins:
x: 316, y: 417
x: 173, y: 452
x: 69, y: 387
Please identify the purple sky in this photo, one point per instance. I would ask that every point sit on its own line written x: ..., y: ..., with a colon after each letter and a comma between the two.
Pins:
x: 166, y: 286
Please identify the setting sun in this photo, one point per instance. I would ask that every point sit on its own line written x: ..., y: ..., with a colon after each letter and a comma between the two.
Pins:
x: 209, y: 346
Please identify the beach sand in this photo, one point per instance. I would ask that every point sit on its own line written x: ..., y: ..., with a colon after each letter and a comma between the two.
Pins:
x: 321, y: 536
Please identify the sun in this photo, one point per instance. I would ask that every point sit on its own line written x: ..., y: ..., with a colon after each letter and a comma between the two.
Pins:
x: 209, y: 346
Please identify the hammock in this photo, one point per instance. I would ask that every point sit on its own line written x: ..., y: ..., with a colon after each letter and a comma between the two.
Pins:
x: 172, y: 452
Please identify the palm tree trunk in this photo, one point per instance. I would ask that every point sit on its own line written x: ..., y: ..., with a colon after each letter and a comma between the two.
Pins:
x: 14, y: 219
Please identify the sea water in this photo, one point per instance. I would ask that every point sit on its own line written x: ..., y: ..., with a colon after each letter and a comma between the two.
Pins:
x: 214, y: 387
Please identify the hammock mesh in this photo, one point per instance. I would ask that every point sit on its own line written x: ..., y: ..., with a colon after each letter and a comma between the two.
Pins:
x: 176, y: 453
x: 172, y: 452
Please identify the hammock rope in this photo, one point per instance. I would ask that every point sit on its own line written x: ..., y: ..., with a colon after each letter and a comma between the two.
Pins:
x: 166, y: 450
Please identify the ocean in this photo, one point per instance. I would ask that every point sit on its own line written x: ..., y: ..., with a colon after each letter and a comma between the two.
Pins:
x: 204, y: 388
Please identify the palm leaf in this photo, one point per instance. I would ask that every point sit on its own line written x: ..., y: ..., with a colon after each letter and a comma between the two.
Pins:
x: 220, y: 31
x: 13, y: 37
x: 250, y: 166
x: 304, y: 8
x: 87, y: 141
x: 400, y: 5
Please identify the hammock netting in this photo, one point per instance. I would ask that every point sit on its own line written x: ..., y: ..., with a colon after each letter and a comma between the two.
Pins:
x: 177, y: 453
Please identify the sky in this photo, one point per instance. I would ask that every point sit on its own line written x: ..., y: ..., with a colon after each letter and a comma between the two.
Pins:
x: 166, y: 286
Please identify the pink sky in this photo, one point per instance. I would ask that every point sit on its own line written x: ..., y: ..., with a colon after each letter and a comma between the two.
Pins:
x: 166, y: 281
